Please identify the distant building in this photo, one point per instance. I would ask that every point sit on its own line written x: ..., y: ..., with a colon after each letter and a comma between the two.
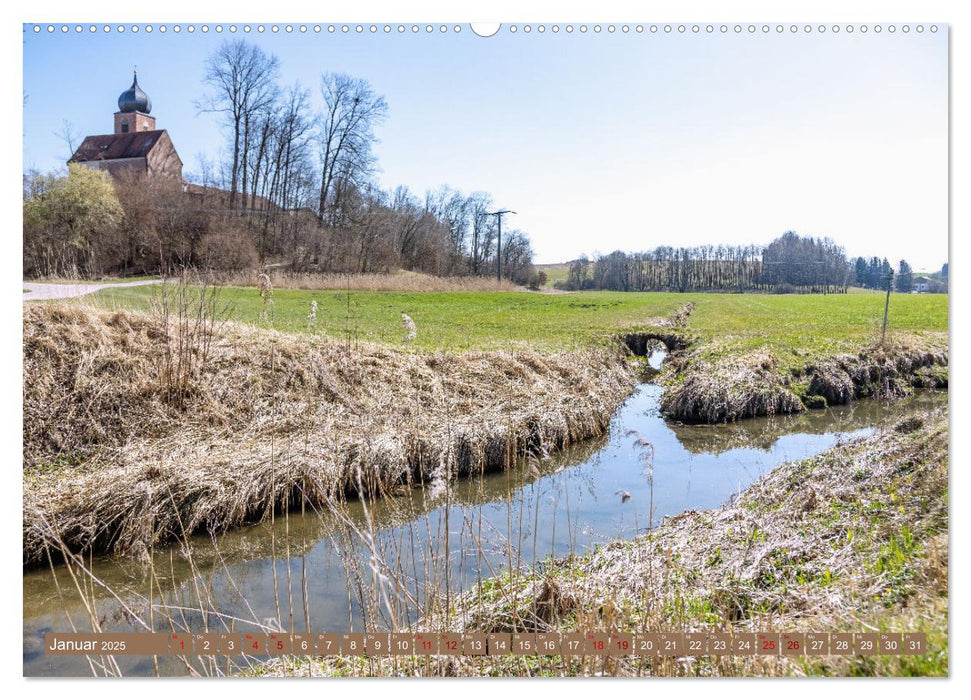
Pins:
x: 136, y: 145
x: 922, y: 285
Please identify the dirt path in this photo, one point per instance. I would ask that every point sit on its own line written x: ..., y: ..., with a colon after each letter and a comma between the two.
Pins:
x: 44, y: 290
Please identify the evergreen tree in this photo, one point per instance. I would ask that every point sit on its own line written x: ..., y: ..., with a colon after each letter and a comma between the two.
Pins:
x: 860, y: 270
x: 905, y: 278
x: 884, y: 275
x: 873, y: 273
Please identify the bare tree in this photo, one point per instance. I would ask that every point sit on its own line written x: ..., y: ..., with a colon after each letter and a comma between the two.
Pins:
x: 449, y: 206
x: 243, y: 82
x: 346, y: 134
x: 517, y: 257
x: 69, y: 136
x: 207, y: 170
x: 483, y: 230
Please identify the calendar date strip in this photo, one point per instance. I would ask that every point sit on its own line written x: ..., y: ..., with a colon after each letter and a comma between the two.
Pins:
x: 470, y: 644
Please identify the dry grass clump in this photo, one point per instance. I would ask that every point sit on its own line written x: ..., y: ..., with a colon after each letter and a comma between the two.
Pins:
x: 111, y: 464
x: 678, y: 319
x: 99, y: 365
x: 730, y: 388
x: 402, y: 281
x: 882, y: 371
x: 755, y: 384
x: 854, y: 539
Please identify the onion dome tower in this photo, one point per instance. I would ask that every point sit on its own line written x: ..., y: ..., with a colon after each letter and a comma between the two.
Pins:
x: 134, y: 108
x: 136, y: 147
x: 134, y: 99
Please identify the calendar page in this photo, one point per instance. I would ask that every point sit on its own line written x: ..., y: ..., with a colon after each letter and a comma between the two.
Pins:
x: 518, y: 349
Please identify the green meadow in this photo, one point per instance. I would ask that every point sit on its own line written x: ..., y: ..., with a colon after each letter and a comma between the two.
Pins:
x: 796, y: 325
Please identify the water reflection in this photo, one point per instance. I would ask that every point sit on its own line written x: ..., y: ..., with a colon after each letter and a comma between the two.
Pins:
x: 312, y: 571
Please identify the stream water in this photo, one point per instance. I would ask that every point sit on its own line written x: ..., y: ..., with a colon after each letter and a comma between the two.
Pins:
x: 312, y: 571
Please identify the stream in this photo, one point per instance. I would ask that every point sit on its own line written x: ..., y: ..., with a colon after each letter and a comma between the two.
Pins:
x: 323, y: 573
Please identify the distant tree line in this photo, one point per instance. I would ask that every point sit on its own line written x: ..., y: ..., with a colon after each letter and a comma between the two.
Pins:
x: 872, y: 273
x: 875, y: 273
x: 713, y: 268
x: 804, y: 264
x: 791, y: 263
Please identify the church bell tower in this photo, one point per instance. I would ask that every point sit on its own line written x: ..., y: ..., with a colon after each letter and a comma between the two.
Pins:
x: 134, y: 108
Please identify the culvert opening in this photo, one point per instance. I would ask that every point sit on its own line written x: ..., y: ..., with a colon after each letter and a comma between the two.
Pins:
x: 644, y: 344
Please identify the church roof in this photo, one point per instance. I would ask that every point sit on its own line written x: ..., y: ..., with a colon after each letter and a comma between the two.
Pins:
x: 135, y: 144
x: 134, y: 99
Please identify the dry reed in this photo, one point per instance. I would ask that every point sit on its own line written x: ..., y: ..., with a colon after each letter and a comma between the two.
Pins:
x: 111, y: 465
x: 402, y: 281
x: 733, y: 387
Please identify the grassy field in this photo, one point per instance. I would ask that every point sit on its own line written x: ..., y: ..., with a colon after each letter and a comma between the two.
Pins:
x: 453, y: 321
x: 799, y: 325
x: 555, y: 272
x: 794, y: 325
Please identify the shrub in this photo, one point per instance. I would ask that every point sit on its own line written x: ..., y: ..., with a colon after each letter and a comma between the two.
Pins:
x: 536, y: 280
x: 70, y: 223
x: 225, y: 247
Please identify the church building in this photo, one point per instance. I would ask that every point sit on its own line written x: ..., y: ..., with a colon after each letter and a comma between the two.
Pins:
x: 136, y: 145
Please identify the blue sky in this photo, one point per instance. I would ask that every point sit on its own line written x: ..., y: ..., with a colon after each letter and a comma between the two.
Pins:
x: 598, y: 141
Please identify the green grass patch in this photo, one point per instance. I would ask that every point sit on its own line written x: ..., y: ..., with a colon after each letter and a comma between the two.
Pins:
x: 445, y: 320
x: 794, y: 327
x: 798, y: 327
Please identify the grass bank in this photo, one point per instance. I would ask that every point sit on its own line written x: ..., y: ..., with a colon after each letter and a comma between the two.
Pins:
x: 140, y: 428
x: 852, y: 540
x: 707, y: 385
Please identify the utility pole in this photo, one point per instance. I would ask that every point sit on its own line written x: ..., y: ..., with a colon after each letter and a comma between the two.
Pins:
x: 498, y: 215
x: 886, y: 306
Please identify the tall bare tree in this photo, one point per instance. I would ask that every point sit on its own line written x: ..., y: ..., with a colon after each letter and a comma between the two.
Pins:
x: 483, y: 230
x: 346, y: 135
x: 243, y: 81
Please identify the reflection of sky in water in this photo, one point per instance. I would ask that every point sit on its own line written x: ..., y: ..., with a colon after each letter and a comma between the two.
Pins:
x: 563, y: 505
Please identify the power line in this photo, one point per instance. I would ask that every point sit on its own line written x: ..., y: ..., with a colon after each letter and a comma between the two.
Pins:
x: 498, y: 215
